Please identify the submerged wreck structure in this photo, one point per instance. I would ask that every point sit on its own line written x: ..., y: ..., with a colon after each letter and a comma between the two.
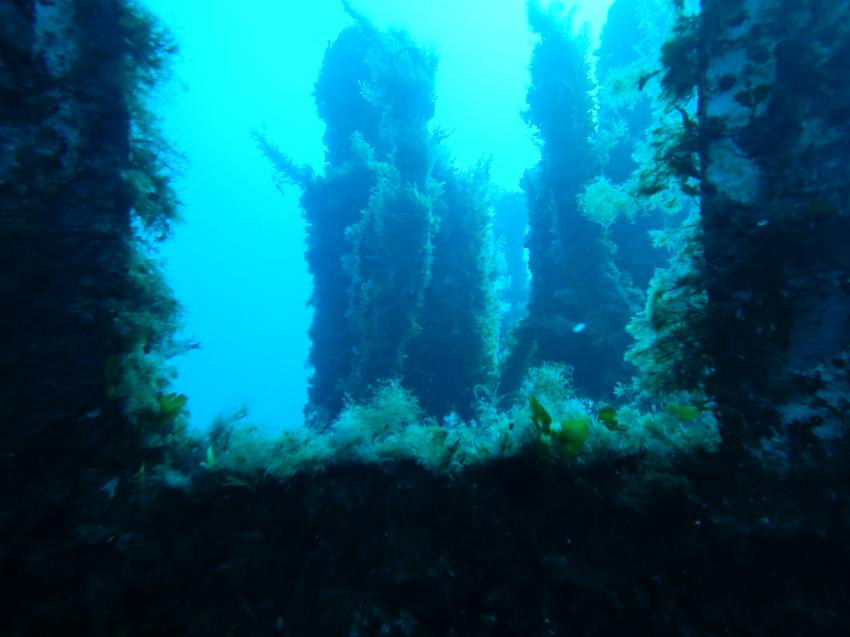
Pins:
x: 115, y: 521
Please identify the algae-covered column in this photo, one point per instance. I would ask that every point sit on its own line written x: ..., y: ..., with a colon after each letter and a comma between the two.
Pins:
x: 578, y: 307
x: 774, y: 117
x: 387, y: 248
x: 398, y: 240
x: 369, y: 214
x: 628, y: 49
x: 84, y: 196
x: 452, y: 360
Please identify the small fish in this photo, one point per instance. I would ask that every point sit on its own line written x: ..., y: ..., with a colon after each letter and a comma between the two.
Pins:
x: 578, y: 328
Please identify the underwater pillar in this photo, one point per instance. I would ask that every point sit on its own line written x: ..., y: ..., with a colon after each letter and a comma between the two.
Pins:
x: 774, y: 117
x: 79, y: 166
x: 399, y: 241
x: 579, y: 304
